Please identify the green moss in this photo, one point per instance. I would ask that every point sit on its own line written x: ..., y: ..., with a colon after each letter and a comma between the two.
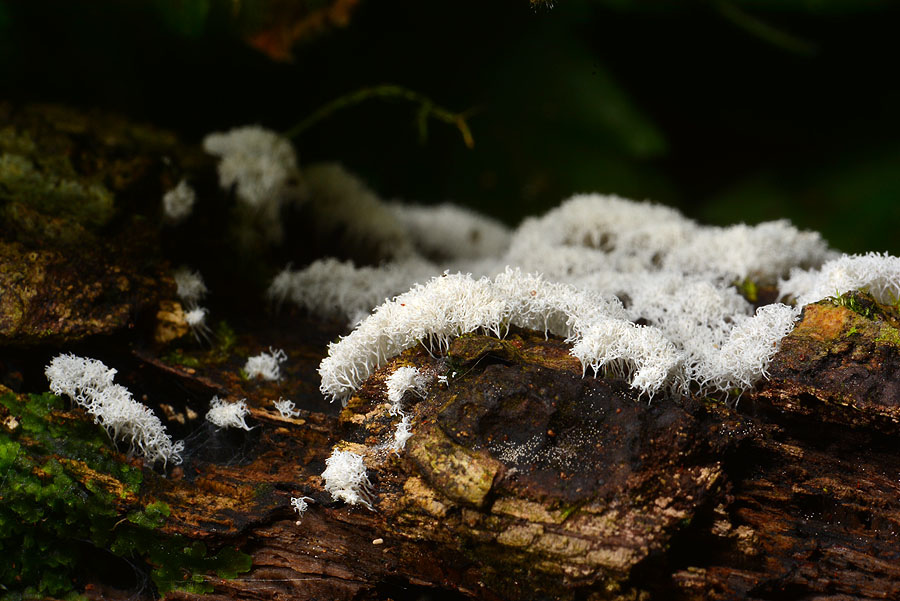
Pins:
x: 63, y: 488
x: 50, y: 499
x: 858, y: 302
x: 178, y: 563
x: 748, y: 289
x: 54, y: 189
x: 889, y: 335
x: 225, y: 341
x: 177, y: 357
x: 565, y: 512
x: 225, y: 338
x: 152, y: 516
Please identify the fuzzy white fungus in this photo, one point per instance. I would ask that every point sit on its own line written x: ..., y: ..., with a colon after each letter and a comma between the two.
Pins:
x: 89, y: 383
x: 637, y: 289
x: 257, y: 162
x: 178, y: 203
x: 680, y: 325
x: 339, y: 288
x: 285, y: 408
x: 405, y: 379
x: 300, y: 505
x: 401, y: 434
x: 196, y: 318
x: 189, y: 285
x: 266, y: 365
x: 345, y: 478
x: 876, y: 273
x: 447, y: 231
x: 228, y: 415
x: 454, y: 304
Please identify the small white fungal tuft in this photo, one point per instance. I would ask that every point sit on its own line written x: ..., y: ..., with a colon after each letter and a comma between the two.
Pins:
x: 405, y: 379
x: 190, y: 286
x: 259, y: 163
x: 401, y: 434
x: 178, y: 203
x: 196, y: 320
x: 266, y: 365
x: 300, y: 505
x: 196, y: 317
x: 285, y: 408
x: 228, y: 415
x: 345, y: 478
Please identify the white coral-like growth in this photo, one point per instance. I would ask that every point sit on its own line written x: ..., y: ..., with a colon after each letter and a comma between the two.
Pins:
x: 401, y: 435
x: 300, y: 505
x: 332, y: 287
x: 191, y: 289
x: 285, y: 408
x: 763, y: 252
x: 266, y: 365
x: 196, y: 318
x: 178, y: 203
x: 345, y: 208
x: 680, y: 328
x: 228, y: 415
x: 743, y: 358
x: 875, y: 273
x: 638, y: 290
x: 557, y: 308
x: 258, y: 162
x: 89, y: 383
x: 594, y: 232
x: 699, y: 333
x: 190, y: 286
x: 405, y: 379
x: 454, y: 304
x: 447, y: 231
x: 345, y: 478
x: 446, y: 307
x: 622, y: 234
x: 640, y: 353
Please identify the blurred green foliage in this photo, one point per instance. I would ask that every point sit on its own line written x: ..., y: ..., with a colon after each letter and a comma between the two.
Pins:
x: 741, y: 110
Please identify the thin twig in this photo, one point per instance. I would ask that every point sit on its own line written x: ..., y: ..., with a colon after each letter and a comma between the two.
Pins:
x: 427, y: 109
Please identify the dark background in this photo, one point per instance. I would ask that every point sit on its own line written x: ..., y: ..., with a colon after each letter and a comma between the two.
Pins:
x: 732, y: 111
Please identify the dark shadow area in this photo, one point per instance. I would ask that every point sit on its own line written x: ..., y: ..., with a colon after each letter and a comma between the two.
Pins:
x: 698, y: 105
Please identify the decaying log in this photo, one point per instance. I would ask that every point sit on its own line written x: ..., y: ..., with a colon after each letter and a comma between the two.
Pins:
x: 523, y: 478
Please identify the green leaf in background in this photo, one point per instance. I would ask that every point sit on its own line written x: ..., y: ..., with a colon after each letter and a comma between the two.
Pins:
x: 576, y: 95
x: 187, y: 18
x: 851, y: 200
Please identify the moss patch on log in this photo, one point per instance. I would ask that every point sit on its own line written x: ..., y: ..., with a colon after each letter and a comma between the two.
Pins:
x: 840, y: 364
x: 67, y: 495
